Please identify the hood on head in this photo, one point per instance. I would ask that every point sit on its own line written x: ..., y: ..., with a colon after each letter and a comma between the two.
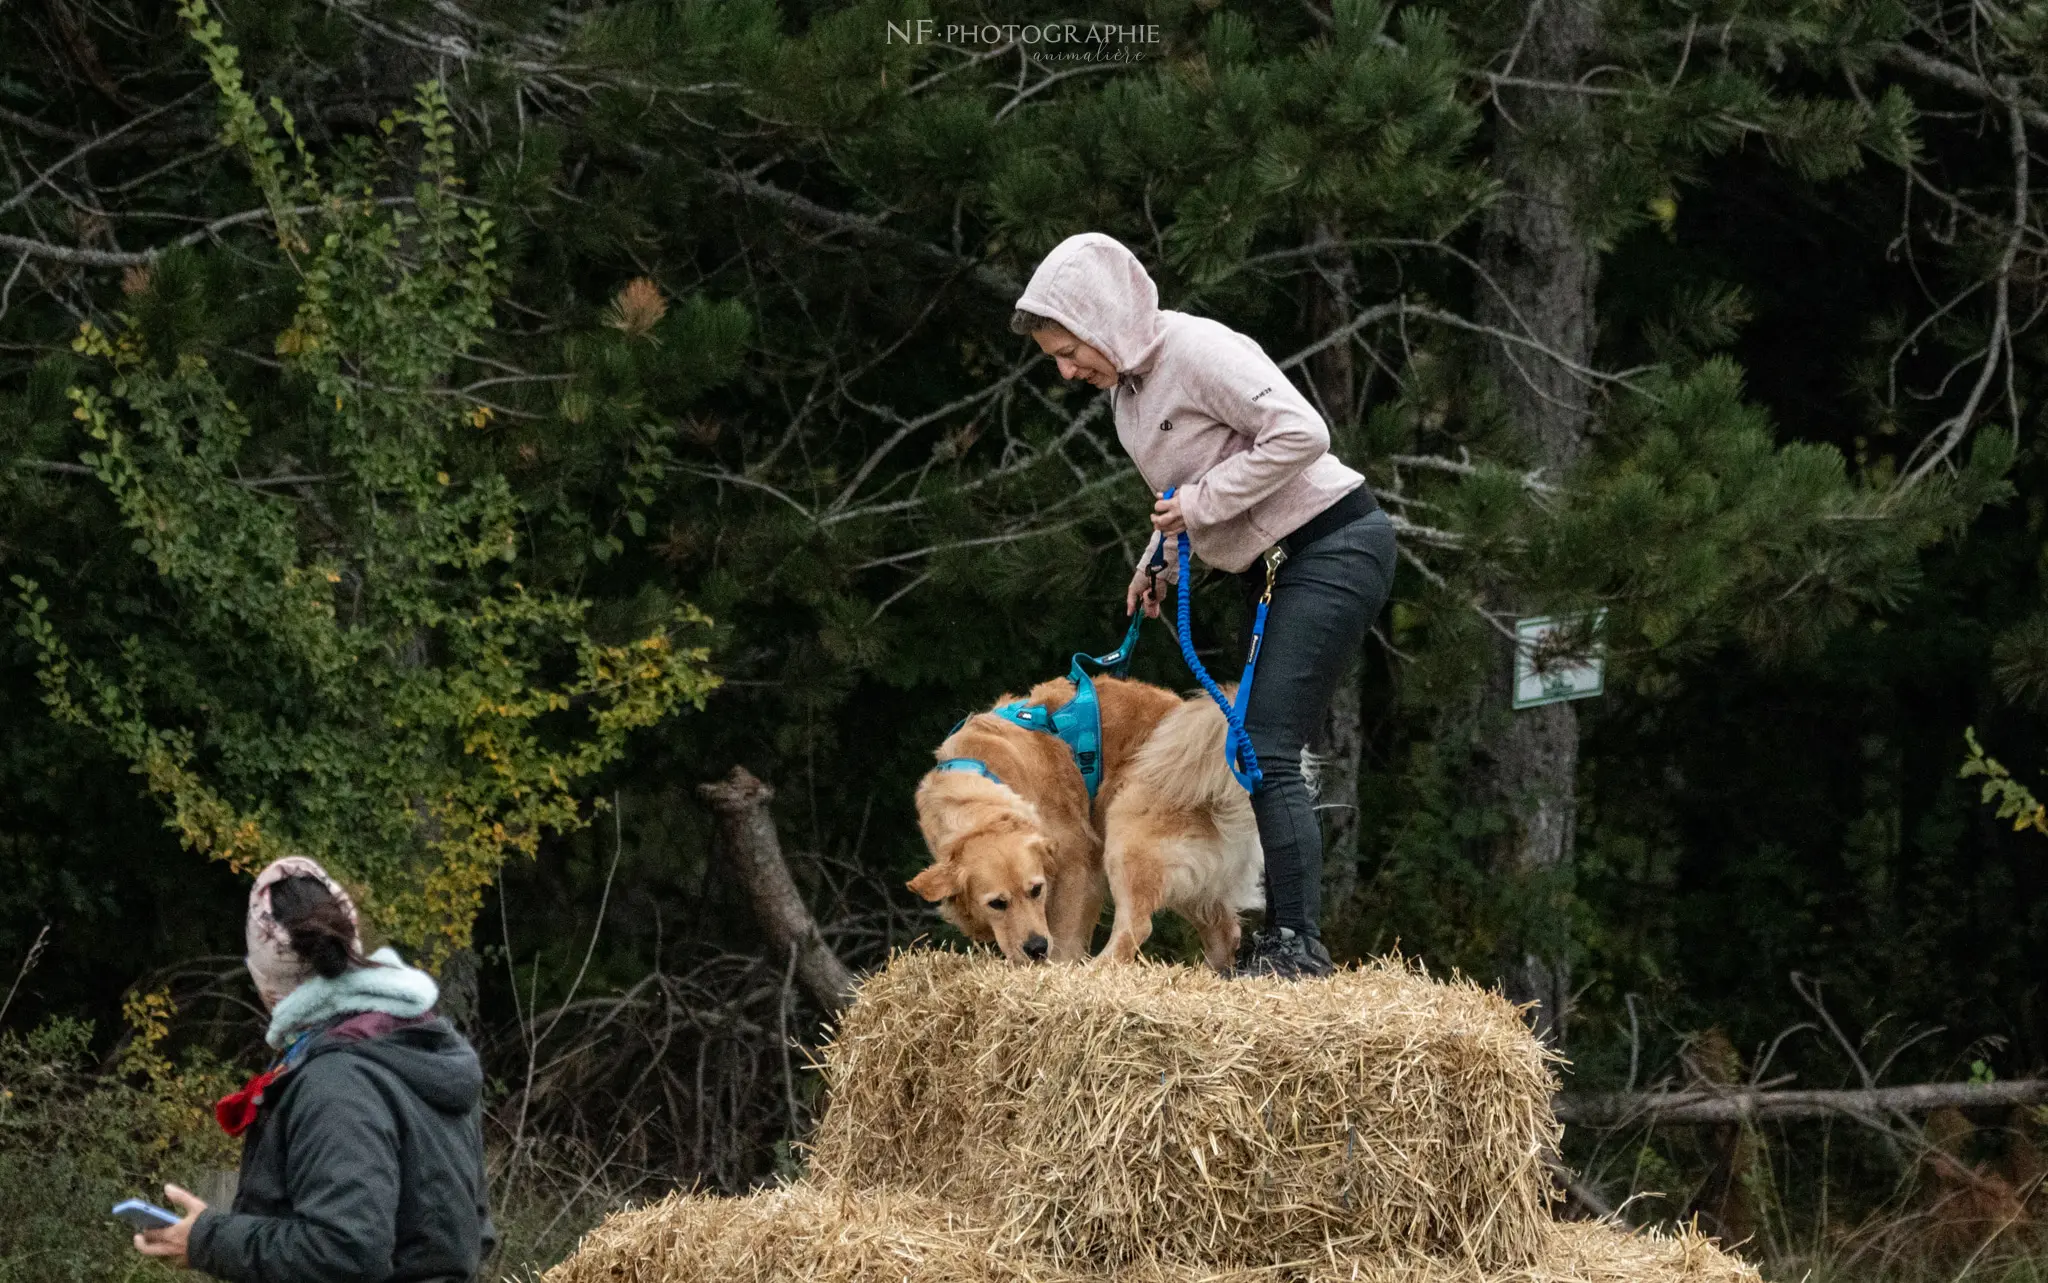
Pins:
x: 272, y: 963
x: 1102, y: 294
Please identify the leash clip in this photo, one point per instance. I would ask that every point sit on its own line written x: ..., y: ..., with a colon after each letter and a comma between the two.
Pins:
x: 1274, y: 557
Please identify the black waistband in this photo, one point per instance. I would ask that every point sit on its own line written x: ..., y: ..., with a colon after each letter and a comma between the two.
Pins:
x: 1330, y: 520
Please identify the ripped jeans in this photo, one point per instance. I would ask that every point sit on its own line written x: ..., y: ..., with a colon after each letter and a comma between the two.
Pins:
x: 1325, y: 597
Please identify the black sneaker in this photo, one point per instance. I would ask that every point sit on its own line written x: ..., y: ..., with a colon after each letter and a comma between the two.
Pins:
x: 1287, y: 954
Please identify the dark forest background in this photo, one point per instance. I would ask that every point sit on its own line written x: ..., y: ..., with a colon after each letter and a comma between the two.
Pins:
x: 1720, y: 317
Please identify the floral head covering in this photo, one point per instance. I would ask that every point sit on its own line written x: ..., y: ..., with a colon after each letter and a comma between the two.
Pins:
x: 275, y: 968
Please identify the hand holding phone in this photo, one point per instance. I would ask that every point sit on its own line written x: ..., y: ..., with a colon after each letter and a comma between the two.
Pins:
x: 142, y: 1217
x: 161, y: 1233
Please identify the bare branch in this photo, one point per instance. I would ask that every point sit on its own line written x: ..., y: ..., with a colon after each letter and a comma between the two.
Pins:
x: 740, y: 802
x: 28, y: 189
x: 870, y: 230
x: 1404, y: 309
x: 51, y: 465
x: 1531, y: 480
x: 144, y: 258
x: 1736, y: 1105
x: 1997, y: 349
x: 1963, y: 80
x: 1552, y: 86
x: 247, y: 483
x: 986, y: 541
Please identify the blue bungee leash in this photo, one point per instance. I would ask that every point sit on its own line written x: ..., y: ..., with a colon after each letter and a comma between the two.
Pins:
x: 1237, y: 747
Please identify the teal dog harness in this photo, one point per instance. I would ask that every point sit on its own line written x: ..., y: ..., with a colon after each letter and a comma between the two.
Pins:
x: 1078, y: 722
x: 972, y: 765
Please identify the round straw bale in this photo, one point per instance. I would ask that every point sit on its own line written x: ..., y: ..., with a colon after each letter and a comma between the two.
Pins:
x: 1110, y: 1115
x: 795, y: 1234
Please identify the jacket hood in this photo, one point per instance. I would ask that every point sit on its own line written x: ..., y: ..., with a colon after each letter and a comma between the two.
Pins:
x: 390, y: 987
x: 1102, y: 294
x: 434, y: 1062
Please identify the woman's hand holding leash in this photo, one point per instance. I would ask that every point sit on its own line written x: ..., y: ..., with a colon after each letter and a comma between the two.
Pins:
x: 1144, y: 589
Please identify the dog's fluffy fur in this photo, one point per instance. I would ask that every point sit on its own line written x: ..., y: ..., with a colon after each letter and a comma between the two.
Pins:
x: 1024, y: 864
x: 1180, y: 835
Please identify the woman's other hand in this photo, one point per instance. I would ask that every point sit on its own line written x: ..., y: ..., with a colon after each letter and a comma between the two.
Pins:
x: 171, y: 1241
x: 1141, y: 591
x: 1166, y: 517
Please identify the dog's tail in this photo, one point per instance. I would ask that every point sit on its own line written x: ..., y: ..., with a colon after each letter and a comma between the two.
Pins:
x: 1183, y: 763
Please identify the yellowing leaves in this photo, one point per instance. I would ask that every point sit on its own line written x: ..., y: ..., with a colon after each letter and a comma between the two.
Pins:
x: 296, y: 342
x: 2016, y: 802
x: 415, y: 763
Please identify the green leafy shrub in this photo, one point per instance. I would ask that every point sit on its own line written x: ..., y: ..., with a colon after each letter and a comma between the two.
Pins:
x: 374, y: 675
x: 75, y: 1141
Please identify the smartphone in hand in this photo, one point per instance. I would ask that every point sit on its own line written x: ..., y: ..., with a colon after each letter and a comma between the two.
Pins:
x: 143, y: 1217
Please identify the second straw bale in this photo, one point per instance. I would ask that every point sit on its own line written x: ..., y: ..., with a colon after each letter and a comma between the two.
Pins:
x: 1102, y: 1116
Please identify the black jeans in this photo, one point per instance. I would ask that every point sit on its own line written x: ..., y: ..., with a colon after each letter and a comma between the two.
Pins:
x: 1325, y: 597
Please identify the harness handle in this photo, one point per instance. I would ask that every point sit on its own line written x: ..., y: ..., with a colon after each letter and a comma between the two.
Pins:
x: 1116, y: 663
x: 1237, y: 747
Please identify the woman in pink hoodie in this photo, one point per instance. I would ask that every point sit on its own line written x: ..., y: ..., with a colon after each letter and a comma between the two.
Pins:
x: 1204, y: 411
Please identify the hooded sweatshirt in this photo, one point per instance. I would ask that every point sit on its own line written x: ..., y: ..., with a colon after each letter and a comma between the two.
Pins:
x: 365, y: 1162
x: 1198, y: 406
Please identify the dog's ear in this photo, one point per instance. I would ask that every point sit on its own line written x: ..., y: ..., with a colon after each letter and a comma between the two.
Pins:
x: 939, y: 882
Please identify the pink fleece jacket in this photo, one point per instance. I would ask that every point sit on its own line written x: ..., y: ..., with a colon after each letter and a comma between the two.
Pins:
x: 1198, y: 405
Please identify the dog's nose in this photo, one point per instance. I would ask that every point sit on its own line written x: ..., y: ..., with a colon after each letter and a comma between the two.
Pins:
x: 1035, y: 948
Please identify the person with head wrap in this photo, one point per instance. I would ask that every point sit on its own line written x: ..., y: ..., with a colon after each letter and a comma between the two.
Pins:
x: 362, y: 1142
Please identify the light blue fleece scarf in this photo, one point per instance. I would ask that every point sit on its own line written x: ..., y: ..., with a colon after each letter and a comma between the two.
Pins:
x: 390, y: 987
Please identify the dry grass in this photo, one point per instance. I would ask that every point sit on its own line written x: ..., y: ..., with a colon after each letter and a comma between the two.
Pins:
x: 798, y: 1234
x: 803, y: 1234
x: 1106, y: 1116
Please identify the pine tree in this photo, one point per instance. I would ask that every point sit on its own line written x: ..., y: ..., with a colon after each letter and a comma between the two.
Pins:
x: 892, y: 511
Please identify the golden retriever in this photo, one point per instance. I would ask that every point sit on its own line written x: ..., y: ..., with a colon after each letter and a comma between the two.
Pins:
x: 1023, y: 863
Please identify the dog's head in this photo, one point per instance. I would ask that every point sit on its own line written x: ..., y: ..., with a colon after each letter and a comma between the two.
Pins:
x: 988, y: 873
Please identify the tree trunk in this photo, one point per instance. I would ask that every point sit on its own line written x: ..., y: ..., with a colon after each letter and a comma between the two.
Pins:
x: 753, y: 847
x: 1333, y: 387
x: 1540, y: 272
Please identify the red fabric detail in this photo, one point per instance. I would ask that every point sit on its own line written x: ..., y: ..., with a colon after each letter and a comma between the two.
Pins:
x: 236, y: 1110
x: 372, y: 1024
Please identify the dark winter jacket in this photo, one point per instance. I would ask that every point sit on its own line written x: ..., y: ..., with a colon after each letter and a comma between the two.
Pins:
x: 364, y: 1165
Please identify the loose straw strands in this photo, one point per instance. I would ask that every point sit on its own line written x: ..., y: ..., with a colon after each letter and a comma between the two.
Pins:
x: 802, y: 1234
x: 798, y: 1234
x: 1107, y: 1116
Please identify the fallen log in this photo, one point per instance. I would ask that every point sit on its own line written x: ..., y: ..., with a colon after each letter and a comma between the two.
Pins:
x: 1734, y: 1104
x: 740, y: 801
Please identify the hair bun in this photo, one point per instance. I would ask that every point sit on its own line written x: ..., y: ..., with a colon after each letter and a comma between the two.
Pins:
x: 324, y: 953
x: 319, y: 926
